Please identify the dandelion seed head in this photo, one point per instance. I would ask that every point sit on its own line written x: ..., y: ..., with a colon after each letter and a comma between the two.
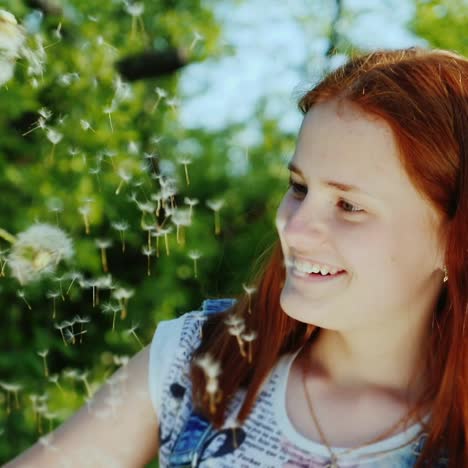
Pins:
x: 12, y: 36
x: 194, y: 254
x: 181, y: 217
x: 249, y: 289
x: 209, y: 365
x: 122, y: 293
x: 134, y: 9
x: 43, y: 353
x: 190, y: 201
x: 249, y: 336
x: 38, y: 251
x: 120, y: 225
x: 54, y: 136
x: 215, y: 205
x: 103, y: 243
x: 85, y: 125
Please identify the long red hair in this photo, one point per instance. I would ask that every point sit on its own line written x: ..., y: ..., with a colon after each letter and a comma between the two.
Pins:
x: 423, y: 96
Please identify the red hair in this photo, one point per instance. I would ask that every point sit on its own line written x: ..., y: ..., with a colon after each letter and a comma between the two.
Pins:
x: 423, y: 96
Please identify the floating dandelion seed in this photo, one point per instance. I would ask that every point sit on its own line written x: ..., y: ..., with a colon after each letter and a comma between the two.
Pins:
x: 73, y: 276
x: 123, y: 295
x: 109, y: 308
x: 56, y: 206
x: 54, y: 137
x: 61, y: 326
x: 85, y: 210
x: 121, y: 226
x: 45, y: 440
x: 81, y: 321
x: 3, y: 261
x: 212, y: 369
x: 108, y: 110
x: 133, y: 147
x: 191, y: 202
x: 54, y: 379
x: 173, y: 103
x: 249, y: 337
x: 103, y: 282
x: 236, y: 326
x: 125, y: 178
x: 43, y: 355
x: 149, y: 228
x: 164, y: 232
x: 181, y: 217
x: 37, y: 252
x: 197, y: 38
x: 59, y: 280
x: 104, y: 244
x: 148, y: 252
x: 195, y: 255
x: 185, y: 161
x: 135, y: 10
x: 216, y: 205
x: 13, y: 388
x: 161, y: 95
x: 21, y: 294
x: 249, y: 290
x: 131, y: 331
x: 85, y: 125
x: 84, y: 378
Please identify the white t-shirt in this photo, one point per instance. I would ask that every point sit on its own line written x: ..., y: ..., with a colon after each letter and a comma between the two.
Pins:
x: 267, y: 438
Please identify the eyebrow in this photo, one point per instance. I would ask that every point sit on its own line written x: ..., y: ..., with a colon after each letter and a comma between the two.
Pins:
x: 332, y: 183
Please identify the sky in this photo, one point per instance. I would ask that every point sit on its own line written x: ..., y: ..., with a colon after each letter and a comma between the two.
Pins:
x: 279, y: 49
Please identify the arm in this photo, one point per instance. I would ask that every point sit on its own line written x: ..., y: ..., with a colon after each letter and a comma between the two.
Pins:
x: 117, y: 428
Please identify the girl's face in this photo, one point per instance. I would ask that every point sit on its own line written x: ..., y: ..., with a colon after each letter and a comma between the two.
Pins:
x: 383, y: 233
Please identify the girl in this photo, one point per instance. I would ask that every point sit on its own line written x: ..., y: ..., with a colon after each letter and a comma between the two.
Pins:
x: 352, y: 349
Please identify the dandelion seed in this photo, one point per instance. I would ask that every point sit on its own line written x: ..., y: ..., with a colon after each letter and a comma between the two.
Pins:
x: 212, y: 369
x: 74, y: 276
x: 135, y: 10
x: 70, y: 336
x: 54, y: 137
x: 46, y: 441
x: 54, y: 379
x: 148, y: 252
x: 123, y: 295
x: 37, y: 252
x: 236, y: 327
x: 96, y: 171
x: 53, y: 295
x: 163, y: 232
x: 161, y: 95
x: 181, y: 218
x: 249, y: 337
x: 12, y: 37
x: 197, y: 38
x: 85, y: 210
x: 60, y: 327
x: 195, y: 255
x: 149, y: 228
x: 216, y: 205
x: 56, y: 206
x: 13, y: 388
x: 43, y: 355
x: 84, y: 378
x: 21, y: 295
x: 81, y: 321
x: 109, y: 308
x: 85, y: 125
x: 125, y: 177
x: 191, y: 202
x: 121, y: 226
x: 249, y: 290
x: 108, y: 110
x: 104, y: 244
x: 131, y: 331
x: 185, y: 161
x: 173, y: 103
x: 41, y: 123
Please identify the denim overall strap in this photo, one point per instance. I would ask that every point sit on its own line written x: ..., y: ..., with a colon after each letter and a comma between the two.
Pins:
x: 210, y: 306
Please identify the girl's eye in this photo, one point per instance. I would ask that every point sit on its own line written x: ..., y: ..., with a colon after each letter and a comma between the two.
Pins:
x: 299, y: 190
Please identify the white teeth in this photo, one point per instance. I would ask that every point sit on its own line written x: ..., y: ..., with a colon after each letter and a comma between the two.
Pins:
x: 306, y: 267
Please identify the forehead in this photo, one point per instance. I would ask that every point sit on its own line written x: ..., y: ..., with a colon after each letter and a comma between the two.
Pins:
x: 346, y: 145
x: 343, y: 144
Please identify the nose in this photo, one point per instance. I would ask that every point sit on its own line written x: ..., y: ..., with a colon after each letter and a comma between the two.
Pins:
x: 301, y: 224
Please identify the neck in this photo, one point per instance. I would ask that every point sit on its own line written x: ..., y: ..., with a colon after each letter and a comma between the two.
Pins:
x: 373, y: 359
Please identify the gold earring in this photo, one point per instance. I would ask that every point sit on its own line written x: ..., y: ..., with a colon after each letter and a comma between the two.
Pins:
x: 446, y: 274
